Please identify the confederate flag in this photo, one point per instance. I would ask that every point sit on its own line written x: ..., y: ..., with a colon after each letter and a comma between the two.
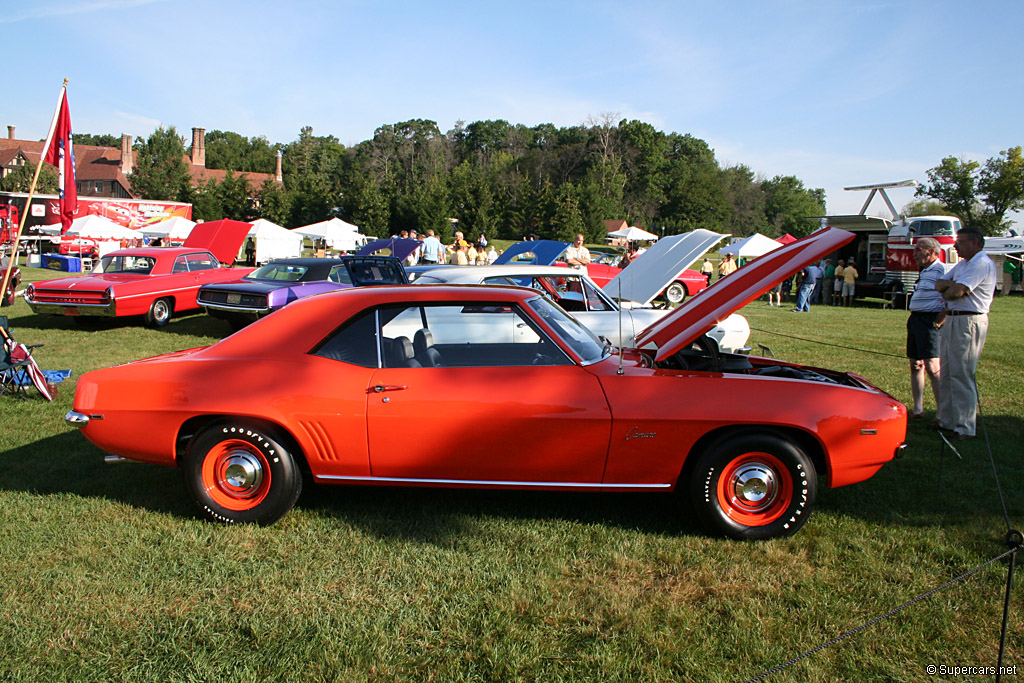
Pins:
x: 61, y: 154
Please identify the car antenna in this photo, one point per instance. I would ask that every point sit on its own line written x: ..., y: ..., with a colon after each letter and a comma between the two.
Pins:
x: 619, y: 371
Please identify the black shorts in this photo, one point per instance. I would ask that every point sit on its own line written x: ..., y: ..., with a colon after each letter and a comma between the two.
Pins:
x: 922, y: 336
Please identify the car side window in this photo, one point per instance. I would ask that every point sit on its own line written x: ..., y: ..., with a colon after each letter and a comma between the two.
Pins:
x: 595, y: 302
x: 203, y: 261
x: 354, y: 342
x: 180, y: 266
x: 339, y: 274
x: 467, y: 335
x: 451, y: 335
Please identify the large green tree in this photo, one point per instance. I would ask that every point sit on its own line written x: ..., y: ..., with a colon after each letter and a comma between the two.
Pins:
x: 159, y: 171
x: 98, y: 140
x: 312, y: 166
x: 790, y: 207
x: 1001, y: 183
x: 954, y: 182
x: 233, y: 152
x: 981, y: 195
x: 20, y: 180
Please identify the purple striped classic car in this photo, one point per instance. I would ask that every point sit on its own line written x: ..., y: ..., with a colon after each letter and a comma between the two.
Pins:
x: 278, y: 283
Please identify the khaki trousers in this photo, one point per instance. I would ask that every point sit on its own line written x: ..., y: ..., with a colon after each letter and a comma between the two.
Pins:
x: 963, y: 338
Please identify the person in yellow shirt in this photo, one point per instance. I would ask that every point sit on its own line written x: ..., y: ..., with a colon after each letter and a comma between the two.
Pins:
x: 837, y: 286
x: 726, y: 267
x: 850, y: 276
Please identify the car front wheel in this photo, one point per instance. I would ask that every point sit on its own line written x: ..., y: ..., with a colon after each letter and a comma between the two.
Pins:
x: 240, y: 473
x: 754, y: 486
x: 675, y: 293
x: 160, y: 312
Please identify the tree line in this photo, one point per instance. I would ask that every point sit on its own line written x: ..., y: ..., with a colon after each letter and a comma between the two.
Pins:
x: 510, y: 180
x: 493, y: 177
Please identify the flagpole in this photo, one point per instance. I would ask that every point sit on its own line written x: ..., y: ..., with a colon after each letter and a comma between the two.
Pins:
x: 35, y: 178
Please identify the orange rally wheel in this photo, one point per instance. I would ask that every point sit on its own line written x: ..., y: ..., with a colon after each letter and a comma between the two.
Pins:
x: 755, y: 489
x: 753, y: 485
x: 235, y: 475
x: 241, y: 472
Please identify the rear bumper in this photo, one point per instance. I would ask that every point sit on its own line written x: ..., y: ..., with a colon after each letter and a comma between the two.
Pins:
x: 73, y: 309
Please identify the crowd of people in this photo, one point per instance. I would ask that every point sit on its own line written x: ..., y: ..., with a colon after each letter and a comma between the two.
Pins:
x: 460, y: 252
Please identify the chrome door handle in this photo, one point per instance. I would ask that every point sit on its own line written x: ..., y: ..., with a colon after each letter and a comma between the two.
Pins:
x: 389, y: 387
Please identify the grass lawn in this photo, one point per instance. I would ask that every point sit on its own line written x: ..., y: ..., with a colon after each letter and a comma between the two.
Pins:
x: 108, y: 574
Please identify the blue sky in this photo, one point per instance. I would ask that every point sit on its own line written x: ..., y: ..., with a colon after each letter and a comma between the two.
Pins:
x: 837, y: 94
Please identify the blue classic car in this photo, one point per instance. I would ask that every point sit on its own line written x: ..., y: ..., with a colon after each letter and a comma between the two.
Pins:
x: 278, y: 283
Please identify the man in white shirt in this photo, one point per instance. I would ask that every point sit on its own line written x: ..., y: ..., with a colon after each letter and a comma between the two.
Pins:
x: 577, y: 255
x: 922, y: 326
x: 968, y: 289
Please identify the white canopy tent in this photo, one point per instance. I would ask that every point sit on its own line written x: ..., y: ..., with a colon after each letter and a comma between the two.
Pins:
x: 274, y: 241
x: 337, y: 233
x: 750, y: 247
x: 633, y: 234
x: 100, y: 228
x: 175, y: 228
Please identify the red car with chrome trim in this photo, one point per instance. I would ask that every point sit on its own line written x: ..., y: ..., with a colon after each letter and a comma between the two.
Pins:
x: 154, y: 282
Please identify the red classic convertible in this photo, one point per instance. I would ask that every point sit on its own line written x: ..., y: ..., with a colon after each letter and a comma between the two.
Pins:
x: 154, y: 282
x: 335, y: 384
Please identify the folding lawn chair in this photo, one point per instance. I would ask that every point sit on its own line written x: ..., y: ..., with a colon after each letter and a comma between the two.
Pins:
x: 18, y: 370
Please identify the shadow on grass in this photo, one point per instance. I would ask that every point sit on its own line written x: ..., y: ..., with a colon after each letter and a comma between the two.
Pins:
x: 930, y: 487
x: 438, y: 516
x: 68, y: 464
x: 192, y: 323
x: 933, y: 486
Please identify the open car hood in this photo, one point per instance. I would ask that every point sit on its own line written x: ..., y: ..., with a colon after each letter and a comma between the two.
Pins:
x: 663, y: 262
x: 545, y: 252
x: 399, y: 247
x: 222, y: 238
x: 699, y: 314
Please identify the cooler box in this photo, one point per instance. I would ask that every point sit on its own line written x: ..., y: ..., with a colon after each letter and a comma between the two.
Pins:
x: 70, y: 264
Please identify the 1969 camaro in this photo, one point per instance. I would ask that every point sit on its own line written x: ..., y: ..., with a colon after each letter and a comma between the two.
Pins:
x: 335, y: 384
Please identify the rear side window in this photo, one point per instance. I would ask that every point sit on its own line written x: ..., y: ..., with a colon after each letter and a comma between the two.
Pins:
x: 339, y: 274
x: 354, y: 343
x: 201, y: 261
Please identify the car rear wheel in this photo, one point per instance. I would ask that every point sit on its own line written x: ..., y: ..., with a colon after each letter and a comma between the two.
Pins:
x: 239, y: 473
x: 675, y: 293
x: 754, y: 486
x: 160, y: 312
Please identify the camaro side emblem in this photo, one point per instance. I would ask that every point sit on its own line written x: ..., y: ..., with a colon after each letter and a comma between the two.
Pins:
x: 635, y: 433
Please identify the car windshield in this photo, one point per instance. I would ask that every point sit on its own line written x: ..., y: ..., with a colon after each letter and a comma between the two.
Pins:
x: 140, y: 265
x: 429, y: 280
x: 278, y: 271
x: 583, y: 342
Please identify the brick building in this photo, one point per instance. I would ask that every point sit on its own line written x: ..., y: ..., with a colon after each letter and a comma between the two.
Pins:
x: 105, y: 171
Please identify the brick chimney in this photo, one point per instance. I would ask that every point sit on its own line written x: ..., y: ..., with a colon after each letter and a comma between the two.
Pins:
x: 127, y: 160
x: 10, y: 132
x: 199, y: 147
x: 277, y: 172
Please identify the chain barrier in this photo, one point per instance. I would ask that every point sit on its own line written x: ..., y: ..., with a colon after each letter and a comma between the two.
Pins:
x: 838, y: 346
x: 913, y: 601
x: 1014, y: 539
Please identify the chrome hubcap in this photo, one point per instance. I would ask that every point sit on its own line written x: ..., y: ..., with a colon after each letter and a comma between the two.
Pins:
x: 243, y: 473
x: 755, y: 486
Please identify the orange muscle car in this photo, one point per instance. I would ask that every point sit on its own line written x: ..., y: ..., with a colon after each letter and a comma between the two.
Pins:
x: 341, y: 385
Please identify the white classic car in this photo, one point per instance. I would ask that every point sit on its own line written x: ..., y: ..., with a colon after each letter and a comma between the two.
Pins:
x: 598, y: 309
